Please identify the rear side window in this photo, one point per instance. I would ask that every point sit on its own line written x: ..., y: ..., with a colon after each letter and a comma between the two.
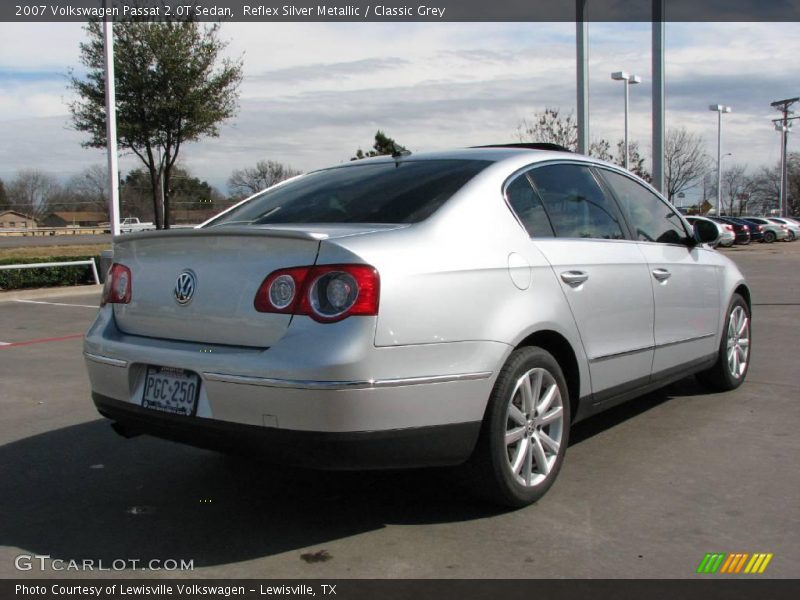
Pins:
x: 529, y: 210
x: 652, y: 219
x: 404, y: 191
x: 576, y: 204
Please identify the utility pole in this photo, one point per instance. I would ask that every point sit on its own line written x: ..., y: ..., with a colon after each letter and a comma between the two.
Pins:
x: 782, y: 125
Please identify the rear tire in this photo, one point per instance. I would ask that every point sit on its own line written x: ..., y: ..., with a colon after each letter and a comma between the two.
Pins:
x: 769, y: 236
x: 733, y: 360
x: 525, y: 430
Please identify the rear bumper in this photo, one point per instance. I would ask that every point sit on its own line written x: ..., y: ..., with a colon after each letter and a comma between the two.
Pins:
x: 413, y: 447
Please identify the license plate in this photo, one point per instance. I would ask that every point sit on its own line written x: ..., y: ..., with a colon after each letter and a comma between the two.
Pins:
x: 171, y: 390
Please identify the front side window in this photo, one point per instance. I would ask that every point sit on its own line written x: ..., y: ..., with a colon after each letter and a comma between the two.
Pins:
x: 652, y: 219
x: 404, y: 191
x: 575, y: 203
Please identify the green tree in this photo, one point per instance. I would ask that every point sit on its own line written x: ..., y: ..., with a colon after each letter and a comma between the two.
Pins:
x: 383, y: 145
x: 4, y: 204
x: 266, y: 173
x: 186, y: 191
x: 172, y: 87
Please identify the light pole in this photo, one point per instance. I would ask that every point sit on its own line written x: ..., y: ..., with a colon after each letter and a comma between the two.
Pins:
x: 719, y: 109
x: 629, y: 80
x: 784, y: 127
x: 721, y: 204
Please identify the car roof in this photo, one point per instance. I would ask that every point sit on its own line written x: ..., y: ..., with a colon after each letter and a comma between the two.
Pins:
x: 513, y: 156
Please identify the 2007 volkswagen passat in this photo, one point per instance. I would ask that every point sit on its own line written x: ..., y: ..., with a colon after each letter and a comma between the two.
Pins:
x: 411, y: 310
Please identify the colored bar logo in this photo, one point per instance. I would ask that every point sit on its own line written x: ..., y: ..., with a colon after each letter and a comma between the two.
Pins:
x: 734, y: 563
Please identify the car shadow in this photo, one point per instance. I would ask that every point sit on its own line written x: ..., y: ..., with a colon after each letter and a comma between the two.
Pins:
x: 82, y: 492
x: 628, y: 410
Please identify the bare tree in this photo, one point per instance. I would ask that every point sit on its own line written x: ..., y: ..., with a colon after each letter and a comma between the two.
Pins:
x: 765, y: 189
x: 735, y: 185
x: 685, y: 161
x: 793, y: 175
x: 553, y: 128
x: 3, y: 197
x: 31, y: 192
x: 266, y: 173
x: 550, y: 127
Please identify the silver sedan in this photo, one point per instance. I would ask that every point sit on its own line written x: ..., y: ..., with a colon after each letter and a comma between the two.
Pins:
x: 435, y: 309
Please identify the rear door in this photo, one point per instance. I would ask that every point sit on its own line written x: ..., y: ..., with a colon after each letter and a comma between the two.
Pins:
x: 684, y: 282
x: 603, y: 276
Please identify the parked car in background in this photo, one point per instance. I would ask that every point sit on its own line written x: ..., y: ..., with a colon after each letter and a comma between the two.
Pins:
x: 436, y: 309
x: 755, y: 230
x: 726, y: 234
x: 772, y: 231
x: 740, y: 230
x: 792, y: 228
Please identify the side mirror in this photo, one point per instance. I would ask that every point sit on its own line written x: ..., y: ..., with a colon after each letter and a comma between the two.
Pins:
x: 706, y: 233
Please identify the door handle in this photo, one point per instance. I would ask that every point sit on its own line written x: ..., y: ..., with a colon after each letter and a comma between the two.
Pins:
x: 661, y: 274
x: 574, y: 278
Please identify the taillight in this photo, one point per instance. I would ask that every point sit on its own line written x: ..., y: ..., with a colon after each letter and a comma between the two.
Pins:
x: 118, y: 286
x: 729, y: 227
x: 326, y: 293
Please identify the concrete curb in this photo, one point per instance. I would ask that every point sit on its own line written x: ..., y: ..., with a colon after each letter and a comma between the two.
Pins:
x: 55, y: 292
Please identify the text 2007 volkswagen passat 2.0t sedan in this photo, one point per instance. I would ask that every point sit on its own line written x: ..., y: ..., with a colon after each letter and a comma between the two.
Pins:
x: 434, y: 309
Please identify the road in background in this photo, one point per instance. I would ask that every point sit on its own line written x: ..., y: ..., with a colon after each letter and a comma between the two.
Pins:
x: 646, y: 491
x: 8, y: 241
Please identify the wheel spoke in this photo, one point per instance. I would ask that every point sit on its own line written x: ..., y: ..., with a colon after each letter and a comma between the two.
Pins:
x: 515, y: 414
x: 742, y: 326
x: 742, y: 355
x: 528, y: 467
x: 549, y: 442
x: 735, y: 369
x: 514, y: 435
x: 553, y: 415
x: 519, y: 457
x: 527, y: 394
x: 541, y: 459
x: 547, y: 400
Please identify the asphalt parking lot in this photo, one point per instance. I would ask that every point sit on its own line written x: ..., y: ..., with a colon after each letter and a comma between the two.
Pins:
x: 647, y: 489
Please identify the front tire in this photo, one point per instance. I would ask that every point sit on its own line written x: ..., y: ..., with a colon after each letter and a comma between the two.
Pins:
x: 525, y: 431
x: 733, y: 360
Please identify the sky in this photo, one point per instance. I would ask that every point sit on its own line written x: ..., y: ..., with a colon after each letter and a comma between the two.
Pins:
x: 315, y: 92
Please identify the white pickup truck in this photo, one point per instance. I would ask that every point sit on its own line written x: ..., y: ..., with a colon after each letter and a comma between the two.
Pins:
x: 133, y: 224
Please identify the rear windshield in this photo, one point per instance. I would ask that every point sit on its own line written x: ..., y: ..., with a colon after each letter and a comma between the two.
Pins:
x: 389, y: 192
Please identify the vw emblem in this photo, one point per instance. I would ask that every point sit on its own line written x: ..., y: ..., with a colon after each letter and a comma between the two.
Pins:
x: 184, y: 288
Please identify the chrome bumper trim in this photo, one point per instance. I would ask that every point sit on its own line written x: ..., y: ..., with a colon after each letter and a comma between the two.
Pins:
x: 342, y: 385
x: 106, y: 360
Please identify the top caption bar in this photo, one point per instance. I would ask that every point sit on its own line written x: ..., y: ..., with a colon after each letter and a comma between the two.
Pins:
x: 402, y: 11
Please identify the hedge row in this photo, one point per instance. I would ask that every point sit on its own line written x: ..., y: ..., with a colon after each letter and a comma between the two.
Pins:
x: 15, y: 279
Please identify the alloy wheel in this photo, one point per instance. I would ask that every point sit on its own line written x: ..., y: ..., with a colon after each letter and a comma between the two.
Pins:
x: 738, y: 346
x: 534, y: 427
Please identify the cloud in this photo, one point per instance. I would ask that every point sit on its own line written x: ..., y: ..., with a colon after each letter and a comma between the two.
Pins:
x: 313, y: 93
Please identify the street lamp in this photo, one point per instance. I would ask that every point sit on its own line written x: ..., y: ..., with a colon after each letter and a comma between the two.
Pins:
x: 719, y: 109
x: 629, y: 80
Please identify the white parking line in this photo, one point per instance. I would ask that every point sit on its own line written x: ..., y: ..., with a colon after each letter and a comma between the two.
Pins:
x: 57, y: 303
x: 5, y: 343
